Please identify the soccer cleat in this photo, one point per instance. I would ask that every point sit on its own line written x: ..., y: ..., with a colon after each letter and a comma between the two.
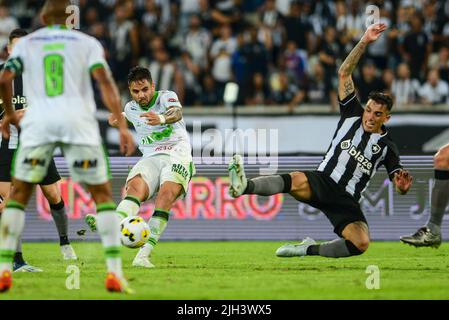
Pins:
x: 91, y: 221
x: 142, y: 257
x: 115, y: 284
x: 68, y: 253
x: 237, y: 177
x: 25, y: 267
x: 5, y: 281
x: 295, y: 250
x: 423, y: 238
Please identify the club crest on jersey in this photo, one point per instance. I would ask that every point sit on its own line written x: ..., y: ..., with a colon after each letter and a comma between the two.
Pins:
x: 34, y: 162
x: 375, y: 148
x: 344, y: 145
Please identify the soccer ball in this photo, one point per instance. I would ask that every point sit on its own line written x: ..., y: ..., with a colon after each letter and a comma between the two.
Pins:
x: 134, y: 232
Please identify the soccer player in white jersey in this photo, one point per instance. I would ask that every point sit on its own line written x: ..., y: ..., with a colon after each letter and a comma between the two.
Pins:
x: 166, y: 167
x: 56, y: 65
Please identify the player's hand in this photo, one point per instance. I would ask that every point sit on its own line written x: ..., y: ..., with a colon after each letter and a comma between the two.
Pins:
x: 7, y: 120
x: 373, y: 32
x: 403, y: 181
x: 127, y: 145
x: 152, y: 118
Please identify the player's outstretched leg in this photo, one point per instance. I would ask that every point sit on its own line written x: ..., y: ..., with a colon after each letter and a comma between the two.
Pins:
x: 19, y: 264
x: 355, y: 242
x: 430, y: 234
x: 59, y: 214
x: 263, y: 185
x: 168, y: 193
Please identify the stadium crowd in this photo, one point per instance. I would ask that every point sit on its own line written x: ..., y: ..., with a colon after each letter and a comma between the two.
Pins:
x: 281, y: 52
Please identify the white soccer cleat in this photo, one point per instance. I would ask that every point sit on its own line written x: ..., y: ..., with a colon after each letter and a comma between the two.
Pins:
x: 68, y: 253
x: 237, y: 177
x: 142, y: 258
x: 295, y: 250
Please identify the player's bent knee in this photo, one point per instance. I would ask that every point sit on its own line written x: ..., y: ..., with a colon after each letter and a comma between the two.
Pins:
x: 298, y: 180
x: 441, y: 159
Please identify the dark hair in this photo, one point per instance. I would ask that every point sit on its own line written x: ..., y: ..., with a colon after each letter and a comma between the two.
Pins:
x: 382, y: 98
x: 139, y: 73
x: 17, y: 33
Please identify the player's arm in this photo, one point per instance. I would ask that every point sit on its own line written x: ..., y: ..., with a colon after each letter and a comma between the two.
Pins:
x: 402, y: 181
x: 10, y: 117
x: 111, y: 98
x: 113, y: 121
x: 345, y: 82
x: 172, y: 115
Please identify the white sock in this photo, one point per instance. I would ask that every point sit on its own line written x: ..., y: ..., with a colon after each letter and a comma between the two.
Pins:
x: 129, y: 206
x: 108, y: 224
x: 11, y: 227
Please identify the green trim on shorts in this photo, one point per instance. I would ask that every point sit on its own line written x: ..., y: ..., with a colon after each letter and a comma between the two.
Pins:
x: 15, y: 205
x: 108, y: 165
x: 112, y: 252
x: 122, y: 214
x: 133, y: 199
x: 106, y: 206
x: 152, y: 241
x: 6, y: 255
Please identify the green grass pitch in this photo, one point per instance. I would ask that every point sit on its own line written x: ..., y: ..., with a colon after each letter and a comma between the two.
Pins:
x: 240, y: 270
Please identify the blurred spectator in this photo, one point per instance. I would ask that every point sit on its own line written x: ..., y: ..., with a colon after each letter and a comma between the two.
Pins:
x: 257, y: 92
x: 271, y: 29
x: 404, y: 89
x: 228, y: 12
x: 7, y: 24
x: 378, y: 51
x: 443, y: 62
x: 255, y: 54
x: 166, y: 75
x: 191, y: 73
x: 284, y: 91
x: 124, y: 42
x: 186, y: 10
x: 205, y: 13
x: 318, y: 91
x: 197, y: 42
x: 388, y: 79
x: 209, y: 94
x: 296, y: 63
x: 368, y: 81
x: 351, y: 21
x: 297, y: 29
x: 434, y: 90
x: 416, y: 47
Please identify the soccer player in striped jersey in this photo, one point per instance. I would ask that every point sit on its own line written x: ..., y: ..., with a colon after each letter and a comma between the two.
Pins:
x: 166, y: 167
x: 48, y: 185
x: 56, y: 65
x: 360, y: 145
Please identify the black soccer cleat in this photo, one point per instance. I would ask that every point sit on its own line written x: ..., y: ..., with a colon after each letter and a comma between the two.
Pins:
x: 423, y: 238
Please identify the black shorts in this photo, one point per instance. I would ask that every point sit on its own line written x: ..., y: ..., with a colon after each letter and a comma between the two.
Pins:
x: 339, y: 206
x: 6, y: 157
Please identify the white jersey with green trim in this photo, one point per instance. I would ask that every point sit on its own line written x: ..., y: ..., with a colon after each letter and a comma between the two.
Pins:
x: 56, y: 65
x: 168, y: 138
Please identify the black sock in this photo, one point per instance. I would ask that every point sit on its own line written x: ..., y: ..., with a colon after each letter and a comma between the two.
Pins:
x: 63, y: 240
x: 313, y: 250
x: 18, y: 258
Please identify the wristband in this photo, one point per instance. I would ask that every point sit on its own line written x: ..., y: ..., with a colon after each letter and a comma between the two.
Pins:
x: 162, y: 118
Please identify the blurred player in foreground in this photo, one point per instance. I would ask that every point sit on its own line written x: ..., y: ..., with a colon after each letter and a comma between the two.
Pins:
x: 48, y: 185
x: 56, y: 65
x: 360, y: 145
x: 166, y: 167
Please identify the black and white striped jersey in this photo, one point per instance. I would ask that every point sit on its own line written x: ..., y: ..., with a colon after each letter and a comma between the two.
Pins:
x: 355, y: 155
x: 19, y: 102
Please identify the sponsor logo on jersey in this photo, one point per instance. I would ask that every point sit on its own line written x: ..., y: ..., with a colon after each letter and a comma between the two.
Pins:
x: 85, y: 164
x: 363, y: 163
x: 181, y: 170
x: 34, y: 162
x: 19, y: 100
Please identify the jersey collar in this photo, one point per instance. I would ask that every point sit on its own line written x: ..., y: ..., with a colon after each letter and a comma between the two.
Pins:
x: 58, y: 27
x: 152, y: 102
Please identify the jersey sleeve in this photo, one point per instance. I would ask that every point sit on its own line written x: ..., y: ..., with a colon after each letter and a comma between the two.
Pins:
x: 392, y: 161
x: 96, y: 57
x: 16, y: 60
x: 350, y: 106
x: 170, y: 99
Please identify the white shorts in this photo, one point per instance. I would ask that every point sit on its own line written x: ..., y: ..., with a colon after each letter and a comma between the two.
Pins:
x: 88, y: 164
x: 160, y: 168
